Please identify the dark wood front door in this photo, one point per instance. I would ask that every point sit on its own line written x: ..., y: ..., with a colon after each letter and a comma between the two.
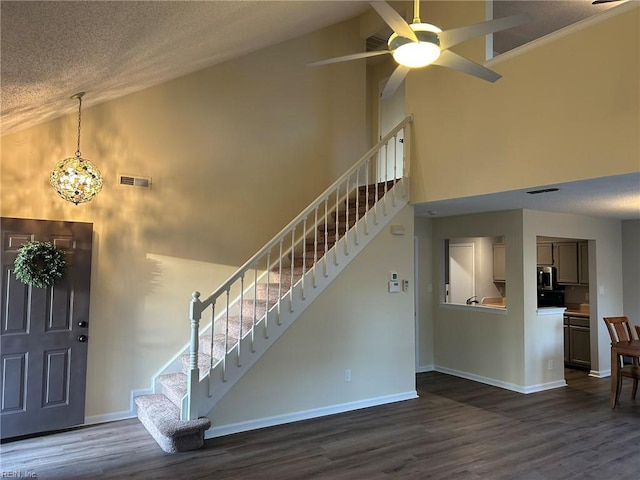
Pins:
x: 44, y: 333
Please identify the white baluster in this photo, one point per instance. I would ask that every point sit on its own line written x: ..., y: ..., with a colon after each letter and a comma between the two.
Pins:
x: 304, y: 257
x: 293, y: 238
x: 266, y: 315
x: 280, y: 280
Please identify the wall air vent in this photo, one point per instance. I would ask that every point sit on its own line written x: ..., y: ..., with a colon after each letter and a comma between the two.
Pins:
x: 376, y: 43
x: 133, y: 181
x: 544, y: 190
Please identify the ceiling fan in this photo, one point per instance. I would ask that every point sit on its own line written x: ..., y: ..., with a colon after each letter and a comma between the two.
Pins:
x: 420, y: 44
x: 598, y: 2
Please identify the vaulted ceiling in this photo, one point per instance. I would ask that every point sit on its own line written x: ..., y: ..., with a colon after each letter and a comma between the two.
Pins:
x: 54, y: 49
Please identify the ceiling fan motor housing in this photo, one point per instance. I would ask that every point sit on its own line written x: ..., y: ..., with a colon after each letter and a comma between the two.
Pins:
x: 416, y: 54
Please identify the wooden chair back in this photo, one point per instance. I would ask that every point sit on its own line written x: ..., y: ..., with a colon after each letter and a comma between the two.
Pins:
x: 619, y: 328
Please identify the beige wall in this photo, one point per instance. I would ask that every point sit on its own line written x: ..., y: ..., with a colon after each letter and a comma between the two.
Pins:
x: 631, y: 269
x: 565, y: 110
x: 605, y: 277
x: 355, y: 324
x: 235, y: 152
x: 425, y: 292
x: 513, y: 349
x: 482, y: 343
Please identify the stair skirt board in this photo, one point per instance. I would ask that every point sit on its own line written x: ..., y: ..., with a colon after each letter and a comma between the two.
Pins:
x: 377, y: 219
x: 159, y: 412
x: 303, y: 294
x: 223, y: 430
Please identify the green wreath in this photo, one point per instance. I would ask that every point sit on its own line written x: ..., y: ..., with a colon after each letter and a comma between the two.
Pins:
x: 39, y: 264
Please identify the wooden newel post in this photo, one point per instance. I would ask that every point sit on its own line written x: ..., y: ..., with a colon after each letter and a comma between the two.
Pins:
x: 193, y: 376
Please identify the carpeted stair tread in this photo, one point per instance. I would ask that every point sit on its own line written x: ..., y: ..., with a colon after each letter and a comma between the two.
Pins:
x: 234, y: 327
x: 174, y: 386
x: 204, y: 363
x: 218, y: 344
x: 271, y: 289
x: 251, y: 308
x: 380, y: 186
x: 162, y: 419
x: 285, y: 277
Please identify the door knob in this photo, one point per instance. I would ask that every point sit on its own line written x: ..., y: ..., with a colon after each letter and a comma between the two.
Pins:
x: 82, y: 338
x: 82, y: 324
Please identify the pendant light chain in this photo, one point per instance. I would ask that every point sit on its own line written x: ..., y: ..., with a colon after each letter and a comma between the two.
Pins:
x: 78, y: 154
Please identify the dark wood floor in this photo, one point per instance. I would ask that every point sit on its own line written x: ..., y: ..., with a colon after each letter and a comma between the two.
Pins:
x: 457, y: 429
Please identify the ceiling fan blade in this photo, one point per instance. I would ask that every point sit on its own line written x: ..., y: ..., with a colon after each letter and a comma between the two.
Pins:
x: 598, y: 2
x: 353, y: 56
x: 452, y: 60
x: 394, y: 81
x: 394, y: 20
x: 452, y: 37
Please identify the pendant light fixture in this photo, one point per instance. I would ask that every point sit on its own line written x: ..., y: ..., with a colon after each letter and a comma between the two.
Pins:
x: 76, y: 179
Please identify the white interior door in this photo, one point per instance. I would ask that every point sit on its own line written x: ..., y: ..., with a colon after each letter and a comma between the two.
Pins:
x: 462, y: 282
x: 391, y: 111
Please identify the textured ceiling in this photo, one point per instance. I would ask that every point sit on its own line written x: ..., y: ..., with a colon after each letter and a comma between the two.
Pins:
x: 53, y: 49
x: 613, y: 197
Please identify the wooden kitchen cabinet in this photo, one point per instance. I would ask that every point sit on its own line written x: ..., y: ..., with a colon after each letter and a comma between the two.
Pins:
x: 577, y: 342
x: 583, y: 263
x: 566, y: 261
x: 567, y: 352
x: 545, y: 253
x: 499, y: 263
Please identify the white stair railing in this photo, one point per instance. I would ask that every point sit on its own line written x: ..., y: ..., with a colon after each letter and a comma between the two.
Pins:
x: 300, y: 253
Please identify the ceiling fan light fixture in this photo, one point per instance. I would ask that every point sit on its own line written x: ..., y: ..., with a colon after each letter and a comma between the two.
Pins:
x: 416, y: 54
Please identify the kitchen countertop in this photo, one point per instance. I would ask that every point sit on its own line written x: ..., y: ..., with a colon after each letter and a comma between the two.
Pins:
x: 494, y: 302
x: 576, y: 313
x: 577, y: 310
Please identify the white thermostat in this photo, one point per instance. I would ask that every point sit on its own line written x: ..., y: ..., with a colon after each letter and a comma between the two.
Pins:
x: 394, y: 286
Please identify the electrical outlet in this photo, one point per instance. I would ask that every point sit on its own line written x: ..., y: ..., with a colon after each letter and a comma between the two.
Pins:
x: 347, y: 375
x: 550, y: 364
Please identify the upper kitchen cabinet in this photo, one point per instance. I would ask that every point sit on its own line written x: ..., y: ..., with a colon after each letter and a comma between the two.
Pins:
x: 567, y: 262
x: 583, y: 263
x: 499, y: 262
x: 570, y: 257
x: 545, y: 253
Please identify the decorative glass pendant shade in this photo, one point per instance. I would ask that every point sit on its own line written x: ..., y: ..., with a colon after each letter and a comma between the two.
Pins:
x: 76, y: 179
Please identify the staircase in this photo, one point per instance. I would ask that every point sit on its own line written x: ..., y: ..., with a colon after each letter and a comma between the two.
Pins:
x: 265, y: 296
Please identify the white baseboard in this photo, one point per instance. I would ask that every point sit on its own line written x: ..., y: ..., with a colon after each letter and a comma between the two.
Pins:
x: 541, y: 387
x: 134, y: 394
x: 600, y: 373
x: 223, y: 430
x: 425, y: 368
x: 108, y: 417
x: 499, y: 383
x: 113, y: 417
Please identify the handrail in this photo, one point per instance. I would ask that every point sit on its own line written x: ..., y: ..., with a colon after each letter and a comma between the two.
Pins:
x: 304, y: 250
x: 276, y: 239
